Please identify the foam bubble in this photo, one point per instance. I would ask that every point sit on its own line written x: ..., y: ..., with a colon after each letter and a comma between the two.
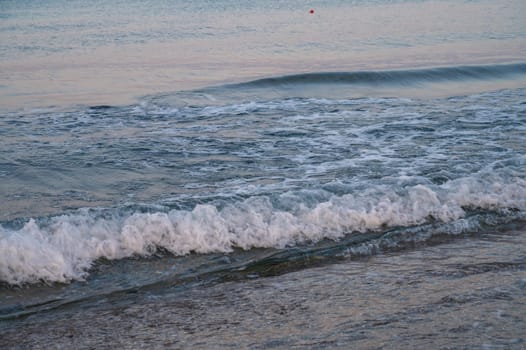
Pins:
x: 63, y: 248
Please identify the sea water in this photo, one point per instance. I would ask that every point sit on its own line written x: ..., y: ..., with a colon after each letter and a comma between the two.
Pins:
x: 188, y: 156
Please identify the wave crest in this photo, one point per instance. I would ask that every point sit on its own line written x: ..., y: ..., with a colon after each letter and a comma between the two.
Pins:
x: 63, y: 248
x: 439, y: 74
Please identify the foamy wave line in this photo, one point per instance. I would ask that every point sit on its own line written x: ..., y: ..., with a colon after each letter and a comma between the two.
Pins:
x: 65, y: 247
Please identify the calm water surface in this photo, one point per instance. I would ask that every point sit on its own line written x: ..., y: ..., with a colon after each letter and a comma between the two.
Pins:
x: 57, y: 53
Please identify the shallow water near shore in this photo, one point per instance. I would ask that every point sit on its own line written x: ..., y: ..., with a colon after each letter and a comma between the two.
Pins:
x: 468, y: 292
x: 415, y: 177
x: 250, y: 175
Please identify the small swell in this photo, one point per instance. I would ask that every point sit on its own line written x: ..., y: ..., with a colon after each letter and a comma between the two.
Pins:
x: 64, y: 248
x: 403, y: 77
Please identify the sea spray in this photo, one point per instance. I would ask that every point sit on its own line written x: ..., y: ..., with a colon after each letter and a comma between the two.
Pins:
x: 63, y: 248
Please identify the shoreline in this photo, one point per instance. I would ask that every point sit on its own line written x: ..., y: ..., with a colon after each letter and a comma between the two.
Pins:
x: 469, y: 293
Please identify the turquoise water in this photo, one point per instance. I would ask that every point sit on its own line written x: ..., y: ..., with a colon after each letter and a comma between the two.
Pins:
x: 158, y: 151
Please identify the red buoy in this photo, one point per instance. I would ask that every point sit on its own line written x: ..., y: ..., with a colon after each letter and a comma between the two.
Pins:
x: 311, y: 11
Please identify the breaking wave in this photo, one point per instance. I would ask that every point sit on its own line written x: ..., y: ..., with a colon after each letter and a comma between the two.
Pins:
x: 63, y: 248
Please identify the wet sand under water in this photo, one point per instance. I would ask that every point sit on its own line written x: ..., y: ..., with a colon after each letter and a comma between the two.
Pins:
x: 469, y: 293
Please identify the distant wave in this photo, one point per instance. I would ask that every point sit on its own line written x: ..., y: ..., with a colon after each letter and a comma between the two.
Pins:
x: 342, y: 85
x: 439, y: 74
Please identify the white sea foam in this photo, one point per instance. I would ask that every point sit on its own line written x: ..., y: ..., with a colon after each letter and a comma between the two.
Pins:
x: 63, y: 248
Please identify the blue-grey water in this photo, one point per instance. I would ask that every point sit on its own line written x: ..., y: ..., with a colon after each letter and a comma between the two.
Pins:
x: 235, y: 174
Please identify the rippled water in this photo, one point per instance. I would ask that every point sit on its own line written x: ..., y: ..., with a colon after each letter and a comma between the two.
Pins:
x: 286, y: 177
x: 267, y: 173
